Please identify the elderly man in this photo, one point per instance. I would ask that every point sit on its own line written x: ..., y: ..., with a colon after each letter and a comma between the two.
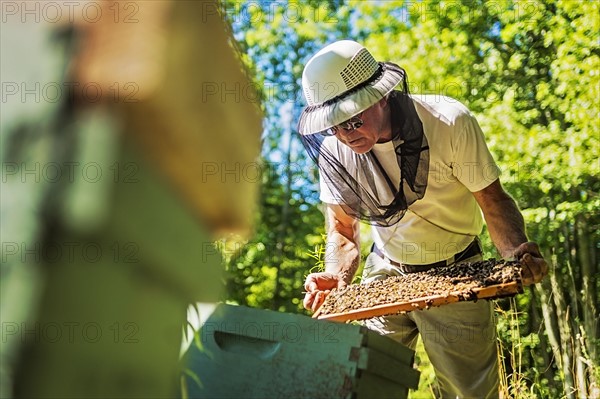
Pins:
x: 418, y: 170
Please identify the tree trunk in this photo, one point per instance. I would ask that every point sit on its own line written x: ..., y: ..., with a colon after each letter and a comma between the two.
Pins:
x: 283, y: 226
x: 565, y: 334
x: 536, y: 326
x: 548, y: 311
x: 588, y: 294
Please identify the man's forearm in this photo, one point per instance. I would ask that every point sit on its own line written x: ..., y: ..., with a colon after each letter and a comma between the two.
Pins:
x: 342, y: 255
x: 506, y: 226
x: 507, y: 230
x: 504, y: 220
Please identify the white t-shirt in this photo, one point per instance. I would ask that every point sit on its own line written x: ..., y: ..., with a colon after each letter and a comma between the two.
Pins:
x: 447, y: 218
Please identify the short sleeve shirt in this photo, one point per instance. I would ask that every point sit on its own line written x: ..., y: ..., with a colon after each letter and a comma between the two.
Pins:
x: 447, y: 218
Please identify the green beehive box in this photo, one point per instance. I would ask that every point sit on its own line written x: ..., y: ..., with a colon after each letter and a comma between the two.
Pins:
x: 253, y: 353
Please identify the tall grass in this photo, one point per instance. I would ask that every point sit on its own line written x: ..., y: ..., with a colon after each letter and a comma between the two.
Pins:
x: 513, y: 379
x: 514, y: 375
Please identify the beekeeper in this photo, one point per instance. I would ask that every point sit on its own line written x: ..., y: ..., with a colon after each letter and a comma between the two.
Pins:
x: 417, y: 169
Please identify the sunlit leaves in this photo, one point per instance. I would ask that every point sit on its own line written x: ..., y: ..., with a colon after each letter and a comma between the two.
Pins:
x: 530, y: 72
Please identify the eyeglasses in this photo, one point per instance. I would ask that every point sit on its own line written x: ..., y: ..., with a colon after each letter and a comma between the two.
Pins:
x: 351, y: 124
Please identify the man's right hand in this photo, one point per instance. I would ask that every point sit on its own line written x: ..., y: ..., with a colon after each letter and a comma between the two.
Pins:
x: 318, y: 286
x: 535, y: 267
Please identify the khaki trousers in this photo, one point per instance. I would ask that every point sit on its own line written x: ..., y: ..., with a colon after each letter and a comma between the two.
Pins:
x: 459, y: 338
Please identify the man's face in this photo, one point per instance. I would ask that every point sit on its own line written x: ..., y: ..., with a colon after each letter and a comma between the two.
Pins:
x: 376, y: 127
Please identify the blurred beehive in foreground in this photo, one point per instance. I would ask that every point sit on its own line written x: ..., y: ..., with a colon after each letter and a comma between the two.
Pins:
x: 121, y: 237
x: 255, y: 353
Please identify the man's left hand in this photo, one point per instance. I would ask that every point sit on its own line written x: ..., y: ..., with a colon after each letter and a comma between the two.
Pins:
x: 534, y: 265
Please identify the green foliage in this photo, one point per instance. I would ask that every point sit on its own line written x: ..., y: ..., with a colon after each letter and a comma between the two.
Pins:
x: 530, y: 72
x: 318, y: 256
x: 516, y: 378
x: 268, y: 270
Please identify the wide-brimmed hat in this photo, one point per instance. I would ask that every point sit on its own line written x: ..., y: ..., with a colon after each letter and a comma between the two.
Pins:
x: 340, y: 81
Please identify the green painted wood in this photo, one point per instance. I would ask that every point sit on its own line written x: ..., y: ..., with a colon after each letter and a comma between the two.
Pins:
x: 389, y: 347
x: 254, y: 353
x: 387, y: 367
x: 174, y: 247
x: 114, y: 301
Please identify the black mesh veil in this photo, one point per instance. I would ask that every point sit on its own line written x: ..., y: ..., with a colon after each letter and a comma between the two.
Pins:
x: 369, y: 188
